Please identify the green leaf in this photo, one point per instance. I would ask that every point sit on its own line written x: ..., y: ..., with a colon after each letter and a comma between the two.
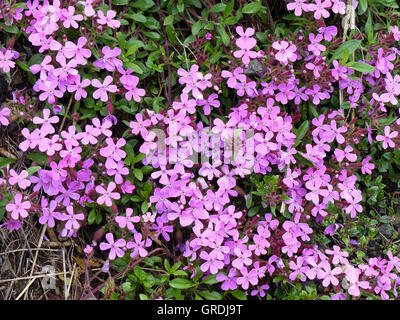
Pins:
x: 33, y: 170
x: 252, y: 8
x: 180, y: 6
x: 361, y: 67
x: 224, y: 36
x: 175, y: 266
x: 169, y: 20
x: 92, y: 216
x: 211, y: 279
x: 143, y: 4
x: 181, y: 283
x: 5, y: 161
x: 138, y: 17
x: 253, y: 211
x: 210, y: 295
x: 138, y: 174
x: 239, y: 294
x: 197, y: 26
x: 10, y: 29
x: 362, y: 7
x: 219, y: 7
x: 120, y: 2
x: 23, y: 66
x: 302, y: 130
x: 142, y: 296
x: 167, y: 265
x: 38, y: 157
x: 134, y: 67
x: 138, y: 158
x: 229, y: 8
x: 350, y: 46
x: 144, y: 207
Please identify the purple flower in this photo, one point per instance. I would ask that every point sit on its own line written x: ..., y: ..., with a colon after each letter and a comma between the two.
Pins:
x: 116, y: 248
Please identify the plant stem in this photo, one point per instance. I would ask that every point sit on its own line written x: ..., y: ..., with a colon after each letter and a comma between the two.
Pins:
x: 129, y: 267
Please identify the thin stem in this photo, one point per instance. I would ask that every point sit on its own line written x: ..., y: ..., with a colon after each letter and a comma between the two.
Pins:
x: 271, y: 21
x: 129, y: 267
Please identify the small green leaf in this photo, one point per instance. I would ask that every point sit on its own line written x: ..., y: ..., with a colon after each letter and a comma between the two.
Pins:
x: 144, y: 207
x: 92, y: 216
x: 229, y: 8
x: 143, y: 4
x: 350, y: 45
x: 361, y: 67
x: 362, y: 7
x: 138, y: 174
x: 239, y: 294
x: 120, y: 2
x: 181, y: 283
x: 23, y: 66
x: 169, y: 20
x: 211, y: 279
x: 210, y: 295
x: 10, y: 29
x: 38, y: 157
x: 252, y: 8
x: 5, y: 161
x: 167, y: 265
x: 219, y: 7
x: 33, y: 170
x: 224, y: 36
x: 302, y: 130
x: 138, y: 17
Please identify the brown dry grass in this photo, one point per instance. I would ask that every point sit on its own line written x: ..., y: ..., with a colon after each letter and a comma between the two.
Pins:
x: 23, y: 256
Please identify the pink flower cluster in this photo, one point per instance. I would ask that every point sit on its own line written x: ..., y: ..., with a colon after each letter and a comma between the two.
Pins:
x: 59, y: 69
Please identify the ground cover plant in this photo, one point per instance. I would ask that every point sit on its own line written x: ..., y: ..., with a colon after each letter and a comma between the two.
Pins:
x: 190, y: 149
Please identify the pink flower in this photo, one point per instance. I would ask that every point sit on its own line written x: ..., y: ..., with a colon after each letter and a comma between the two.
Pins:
x: 329, y: 275
x: 32, y: 139
x: 247, y: 278
x: 18, y: 208
x: 19, y: 178
x: 4, y: 113
x: 315, y: 45
x: 116, y: 248
x: 352, y: 275
x: 78, y: 87
x: 243, y: 258
x: 107, y: 195
x: 127, y: 221
x: 72, y: 219
x: 130, y: 82
x: 71, y: 18
x: 46, y: 122
x: 78, y: 52
x: 108, y: 19
x: 338, y: 6
x: 387, y: 138
x: 211, y: 262
x: 340, y: 154
x: 5, y: 60
x: 43, y: 67
x: 367, y: 166
x: 298, y: 6
x: 396, y: 32
x: 138, y: 245
x: 103, y: 88
x: 49, y: 213
x: 109, y: 60
x: 319, y: 8
x: 286, y: 51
